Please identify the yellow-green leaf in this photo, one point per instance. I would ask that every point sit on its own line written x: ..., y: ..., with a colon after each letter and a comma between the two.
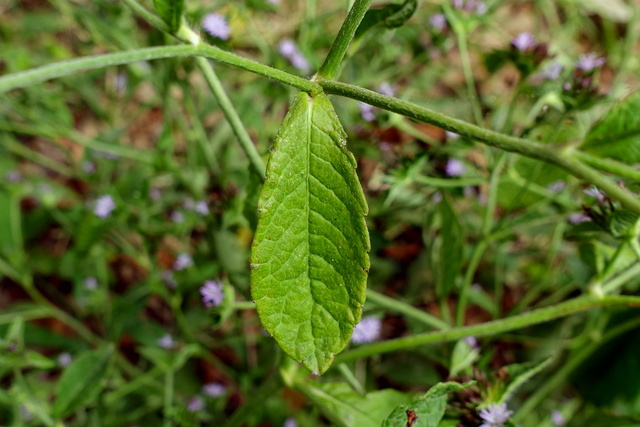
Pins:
x: 309, y: 256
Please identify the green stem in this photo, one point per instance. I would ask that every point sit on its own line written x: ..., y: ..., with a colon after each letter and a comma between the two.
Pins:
x: 168, y: 398
x: 329, y: 68
x: 65, y: 68
x: 232, y: 116
x: 474, y: 99
x: 608, y: 165
x: 562, y: 157
x: 490, y: 328
x: 351, y: 379
x: 406, y: 309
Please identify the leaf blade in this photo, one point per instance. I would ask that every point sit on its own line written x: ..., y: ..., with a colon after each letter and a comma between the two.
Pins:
x: 309, y: 256
x: 171, y: 12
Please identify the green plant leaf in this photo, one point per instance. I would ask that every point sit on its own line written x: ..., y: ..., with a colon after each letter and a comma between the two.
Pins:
x: 390, y: 16
x: 617, y: 135
x: 427, y: 410
x: 451, y: 248
x: 171, y: 12
x: 520, y: 373
x: 344, y: 407
x: 309, y: 255
x: 81, y: 381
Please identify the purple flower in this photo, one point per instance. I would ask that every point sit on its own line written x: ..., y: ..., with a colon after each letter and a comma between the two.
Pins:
x: 155, y: 194
x: 104, y: 206
x: 289, y: 50
x: 594, y: 191
x: 557, y: 186
x: 367, y: 112
x: 216, y: 25
x: 91, y: 283
x: 523, y: 41
x: 212, y: 294
x: 471, y: 342
x: 177, y: 217
x: 454, y: 167
x: 436, y: 197
x: 578, y: 218
x: 438, y: 21
x: 196, y: 404
x: 557, y: 418
x: 458, y: 4
x: 201, y: 208
x: 64, y: 359
x: 13, y: 176
x: 183, y: 261
x: 495, y: 415
x: 290, y: 422
x: 386, y: 89
x: 168, y: 279
x: 214, y: 389
x: 476, y: 6
x: 552, y: 71
x: 589, y: 61
x: 166, y: 342
x: 451, y: 135
x: 88, y: 167
x: 274, y: 1
x: 367, y: 330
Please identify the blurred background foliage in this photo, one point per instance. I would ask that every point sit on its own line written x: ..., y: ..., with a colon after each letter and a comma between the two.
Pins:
x: 116, y: 291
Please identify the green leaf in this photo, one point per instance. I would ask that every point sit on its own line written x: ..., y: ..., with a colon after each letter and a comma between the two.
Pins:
x: 81, y: 381
x: 309, y: 255
x: 617, y: 134
x: 463, y: 357
x: 390, y: 16
x: 427, y: 410
x: 521, y: 373
x: 451, y: 248
x: 623, y: 223
x: 171, y: 12
x: 344, y: 407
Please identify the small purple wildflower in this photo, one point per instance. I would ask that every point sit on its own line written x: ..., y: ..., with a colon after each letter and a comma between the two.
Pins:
x: 479, y: 7
x: 168, y: 279
x: 495, y: 415
x: 216, y: 25
x: 212, y: 294
x: 88, y: 167
x: 183, y: 261
x: 438, y: 22
x: 91, y: 283
x: 13, y: 176
x: 274, y: 1
x: 104, y: 205
x: 552, y: 71
x: 578, y: 218
x: 201, y: 208
x: 368, y: 330
x: 557, y: 186
x: 290, y: 422
x: 523, y: 41
x: 451, y: 135
x: 196, y: 404
x: 557, y: 418
x: 594, y: 191
x: 289, y: 50
x: 436, y: 197
x: 472, y: 342
x: 177, y: 217
x: 386, y: 89
x: 214, y: 389
x: 155, y: 194
x: 64, y: 359
x: 458, y: 4
x: 367, y: 112
x: 166, y: 342
x: 589, y: 61
x: 454, y: 168
x: 121, y: 82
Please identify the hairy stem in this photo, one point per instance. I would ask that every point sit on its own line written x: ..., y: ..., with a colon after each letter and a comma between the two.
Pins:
x: 563, y: 158
x: 329, y: 69
x: 489, y: 328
